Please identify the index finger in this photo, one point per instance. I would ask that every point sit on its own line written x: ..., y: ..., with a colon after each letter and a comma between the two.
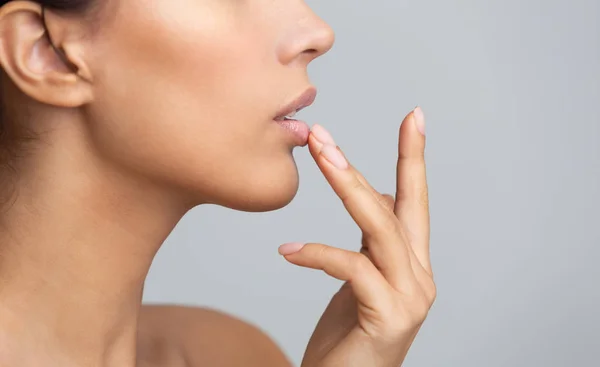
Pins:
x: 379, y: 224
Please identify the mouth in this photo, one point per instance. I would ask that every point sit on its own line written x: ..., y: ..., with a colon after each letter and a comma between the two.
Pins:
x: 297, y: 130
x: 304, y: 100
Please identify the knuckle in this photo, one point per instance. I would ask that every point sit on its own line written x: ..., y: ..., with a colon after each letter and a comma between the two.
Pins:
x: 387, y: 201
x: 423, y: 196
x: 431, y: 293
x: 404, y: 321
x: 349, y: 192
x: 388, y: 197
x: 406, y: 314
x: 356, y: 185
x: 387, y: 226
x: 419, y: 309
x: 402, y: 194
x: 419, y: 194
x: 322, y: 252
x: 419, y: 316
x: 359, y: 263
x: 414, y: 309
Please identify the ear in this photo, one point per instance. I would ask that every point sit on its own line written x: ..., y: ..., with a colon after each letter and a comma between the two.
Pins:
x: 29, y: 59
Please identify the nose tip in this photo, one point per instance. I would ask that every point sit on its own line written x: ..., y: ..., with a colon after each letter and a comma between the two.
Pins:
x: 311, y: 40
x: 323, y: 40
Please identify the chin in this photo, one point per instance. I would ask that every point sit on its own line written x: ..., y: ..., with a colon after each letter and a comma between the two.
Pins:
x: 259, y: 184
x: 262, y: 190
x: 269, y: 196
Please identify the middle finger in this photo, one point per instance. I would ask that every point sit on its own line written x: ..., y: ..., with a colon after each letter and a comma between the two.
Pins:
x: 377, y: 223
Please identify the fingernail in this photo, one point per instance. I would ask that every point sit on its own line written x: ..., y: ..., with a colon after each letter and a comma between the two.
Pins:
x: 322, y: 134
x: 290, y: 248
x: 419, y: 119
x: 334, y: 156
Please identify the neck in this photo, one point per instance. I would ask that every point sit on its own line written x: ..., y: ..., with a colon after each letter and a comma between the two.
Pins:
x: 76, y: 244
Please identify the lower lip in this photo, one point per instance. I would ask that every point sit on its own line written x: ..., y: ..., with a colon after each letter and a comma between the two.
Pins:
x: 299, y: 130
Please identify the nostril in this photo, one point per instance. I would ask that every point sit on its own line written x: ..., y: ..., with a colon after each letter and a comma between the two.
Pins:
x: 312, y: 53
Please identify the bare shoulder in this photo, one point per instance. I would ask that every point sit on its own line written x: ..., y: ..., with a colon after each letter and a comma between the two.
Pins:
x: 194, y: 337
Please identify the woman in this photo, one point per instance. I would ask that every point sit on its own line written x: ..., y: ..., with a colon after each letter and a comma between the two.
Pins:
x: 120, y: 116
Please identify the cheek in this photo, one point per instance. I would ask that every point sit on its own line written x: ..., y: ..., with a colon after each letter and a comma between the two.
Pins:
x: 192, y: 104
x: 203, y: 73
x: 158, y: 79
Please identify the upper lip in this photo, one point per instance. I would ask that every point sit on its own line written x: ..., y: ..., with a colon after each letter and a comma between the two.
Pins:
x: 304, y: 100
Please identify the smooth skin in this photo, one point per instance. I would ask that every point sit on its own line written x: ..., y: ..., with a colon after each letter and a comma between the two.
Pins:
x: 171, y: 107
x: 389, y: 288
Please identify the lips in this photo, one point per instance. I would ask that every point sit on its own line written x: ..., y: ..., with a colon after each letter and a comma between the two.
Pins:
x: 304, y: 100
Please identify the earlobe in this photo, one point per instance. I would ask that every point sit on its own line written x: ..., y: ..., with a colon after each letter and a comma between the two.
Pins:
x: 32, y: 62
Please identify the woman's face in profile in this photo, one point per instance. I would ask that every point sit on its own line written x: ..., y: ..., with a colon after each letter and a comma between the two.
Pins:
x: 185, y: 92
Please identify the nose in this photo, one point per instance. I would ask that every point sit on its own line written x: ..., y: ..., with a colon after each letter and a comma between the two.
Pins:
x: 309, y: 38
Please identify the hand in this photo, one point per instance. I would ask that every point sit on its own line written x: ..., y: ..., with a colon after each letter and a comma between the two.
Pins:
x: 389, y: 289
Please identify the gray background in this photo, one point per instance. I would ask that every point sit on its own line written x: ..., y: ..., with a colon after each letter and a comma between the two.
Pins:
x: 511, y: 92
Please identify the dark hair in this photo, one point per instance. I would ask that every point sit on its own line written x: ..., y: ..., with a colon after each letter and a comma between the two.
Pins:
x: 13, y: 137
x: 65, y: 5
